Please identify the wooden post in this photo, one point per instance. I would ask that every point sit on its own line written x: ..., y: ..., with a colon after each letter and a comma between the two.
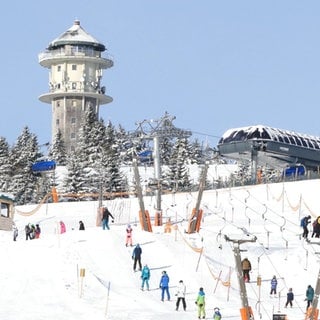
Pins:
x: 82, y: 275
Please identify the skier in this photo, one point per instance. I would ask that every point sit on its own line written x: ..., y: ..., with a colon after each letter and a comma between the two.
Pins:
x: 164, y: 285
x: 136, y: 256
x: 181, y: 293
x: 201, y: 303
x: 15, y: 233
x: 145, y: 276
x: 217, y: 314
x: 304, y: 224
x: 37, y: 231
x: 28, y: 231
x: 105, y: 218
x: 62, y: 227
x: 81, y: 225
x: 309, y: 295
x: 129, y: 236
x: 246, y: 268
x: 290, y: 297
x: 274, y: 284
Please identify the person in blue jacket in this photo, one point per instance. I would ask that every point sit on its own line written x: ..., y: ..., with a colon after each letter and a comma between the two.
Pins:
x: 274, y: 283
x: 164, y: 285
x: 145, y: 276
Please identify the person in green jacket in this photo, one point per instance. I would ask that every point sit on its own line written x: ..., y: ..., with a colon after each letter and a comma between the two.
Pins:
x: 309, y: 295
x: 201, y: 303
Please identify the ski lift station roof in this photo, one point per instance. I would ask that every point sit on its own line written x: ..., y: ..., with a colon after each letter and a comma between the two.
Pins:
x: 274, y: 147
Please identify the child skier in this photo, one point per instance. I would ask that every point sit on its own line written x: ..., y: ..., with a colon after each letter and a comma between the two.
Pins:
x: 200, y: 302
x: 217, y: 314
x: 145, y: 276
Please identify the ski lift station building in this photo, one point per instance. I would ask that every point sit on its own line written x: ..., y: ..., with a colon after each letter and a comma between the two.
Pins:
x: 276, y: 148
x: 6, y: 212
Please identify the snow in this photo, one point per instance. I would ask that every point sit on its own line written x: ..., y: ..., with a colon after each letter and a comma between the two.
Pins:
x: 43, y: 278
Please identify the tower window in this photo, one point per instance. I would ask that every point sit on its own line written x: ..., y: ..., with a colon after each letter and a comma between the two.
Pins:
x: 58, y: 103
x: 57, y: 121
x: 58, y: 68
x: 74, y: 103
x: 74, y: 67
x: 74, y: 85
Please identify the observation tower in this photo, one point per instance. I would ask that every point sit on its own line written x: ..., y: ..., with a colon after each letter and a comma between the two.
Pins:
x: 76, y: 61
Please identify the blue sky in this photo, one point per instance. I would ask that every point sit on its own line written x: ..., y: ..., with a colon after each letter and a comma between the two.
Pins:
x: 214, y: 65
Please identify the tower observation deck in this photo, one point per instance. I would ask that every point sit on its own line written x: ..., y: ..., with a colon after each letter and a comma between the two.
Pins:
x: 75, y: 61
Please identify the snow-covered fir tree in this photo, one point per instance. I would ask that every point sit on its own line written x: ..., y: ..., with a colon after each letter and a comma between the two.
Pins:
x: 166, y: 145
x: 178, y: 171
x: 74, y: 181
x: 113, y: 178
x: 23, y: 181
x: 196, y: 155
x: 58, y: 150
x: 5, y: 165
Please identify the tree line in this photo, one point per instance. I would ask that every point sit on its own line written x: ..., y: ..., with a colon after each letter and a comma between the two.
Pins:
x: 95, y: 164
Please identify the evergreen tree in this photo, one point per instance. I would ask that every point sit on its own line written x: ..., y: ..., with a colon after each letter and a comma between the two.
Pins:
x: 5, y: 167
x: 113, y: 179
x: 74, y: 181
x: 196, y: 155
x: 165, y: 150
x: 58, y: 150
x: 178, y: 173
x: 125, y: 144
x: 23, y: 154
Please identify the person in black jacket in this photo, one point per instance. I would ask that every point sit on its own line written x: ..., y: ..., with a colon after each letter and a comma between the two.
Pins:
x: 81, y: 225
x: 105, y: 218
x: 136, y: 256
x: 290, y: 297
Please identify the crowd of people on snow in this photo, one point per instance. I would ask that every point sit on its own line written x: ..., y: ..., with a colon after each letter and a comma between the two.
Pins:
x: 164, y: 283
x: 246, y: 268
x: 33, y: 232
x: 305, y: 223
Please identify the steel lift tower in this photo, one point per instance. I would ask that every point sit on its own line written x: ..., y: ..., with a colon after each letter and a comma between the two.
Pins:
x: 156, y: 130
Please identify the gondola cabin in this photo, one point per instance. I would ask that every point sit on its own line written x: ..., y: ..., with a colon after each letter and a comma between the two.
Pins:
x: 43, y: 166
x: 6, y: 212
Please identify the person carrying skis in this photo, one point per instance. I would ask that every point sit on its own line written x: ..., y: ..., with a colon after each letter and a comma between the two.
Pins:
x: 201, y: 303
x: 136, y: 256
x: 145, y: 276
x: 129, y: 236
x: 164, y: 285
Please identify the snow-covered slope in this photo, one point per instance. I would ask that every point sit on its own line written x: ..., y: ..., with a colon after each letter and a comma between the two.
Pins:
x: 41, y: 278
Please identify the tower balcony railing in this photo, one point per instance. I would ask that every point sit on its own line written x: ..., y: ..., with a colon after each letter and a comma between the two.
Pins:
x: 72, y: 51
